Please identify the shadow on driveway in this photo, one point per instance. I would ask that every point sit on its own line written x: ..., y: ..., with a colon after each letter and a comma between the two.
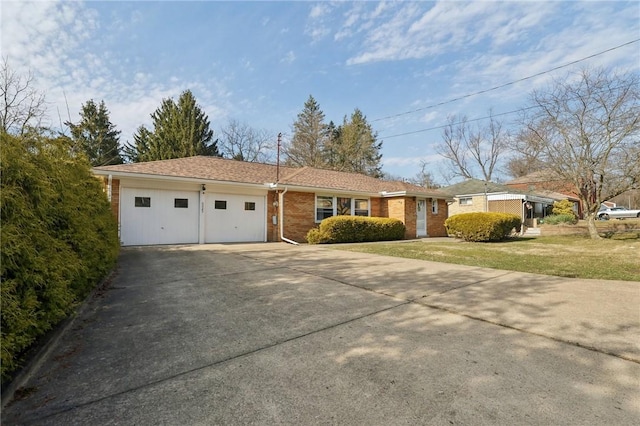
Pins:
x: 272, y: 333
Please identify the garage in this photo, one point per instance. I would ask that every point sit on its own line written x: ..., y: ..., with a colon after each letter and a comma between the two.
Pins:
x: 234, y: 218
x: 156, y: 216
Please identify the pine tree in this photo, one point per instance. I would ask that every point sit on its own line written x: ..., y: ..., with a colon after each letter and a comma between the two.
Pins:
x: 96, y: 136
x: 307, y: 147
x: 179, y: 130
x: 354, y: 147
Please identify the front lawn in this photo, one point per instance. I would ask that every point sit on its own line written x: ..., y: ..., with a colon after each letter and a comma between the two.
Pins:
x: 564, y: 255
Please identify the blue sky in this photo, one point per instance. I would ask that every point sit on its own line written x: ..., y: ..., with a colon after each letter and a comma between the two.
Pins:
x: 258, y: 62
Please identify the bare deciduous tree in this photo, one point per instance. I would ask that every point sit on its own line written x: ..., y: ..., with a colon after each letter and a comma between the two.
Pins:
x: 473, y: 152
x: 23, y: 107
x: 587, y: 128
x: 526, y: 158
x: 424, y: 177
x: 242, y: 142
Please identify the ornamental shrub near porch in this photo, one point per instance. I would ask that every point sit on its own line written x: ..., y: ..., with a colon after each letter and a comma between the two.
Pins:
x: 356, y: 229
x: 481, y: 226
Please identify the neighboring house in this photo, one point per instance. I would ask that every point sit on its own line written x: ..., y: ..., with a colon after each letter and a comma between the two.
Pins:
x: 211, y: 200
x: 545, y: 180
x: 474, y: 195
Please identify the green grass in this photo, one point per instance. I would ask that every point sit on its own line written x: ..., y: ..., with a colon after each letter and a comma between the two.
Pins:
x: 574, y: 256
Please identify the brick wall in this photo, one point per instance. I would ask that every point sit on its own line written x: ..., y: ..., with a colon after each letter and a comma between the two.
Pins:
x: 435, y: 222
x: 477, y: 205
x: 404, y: 209
x: 299, y: 215
x: 376, y: 208
x: 115, y: 197
x: 410, y: 206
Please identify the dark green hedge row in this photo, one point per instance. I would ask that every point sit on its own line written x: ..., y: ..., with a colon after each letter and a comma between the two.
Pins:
x: 482, y: 226
x: 59, y: 239
x: 356, y: 229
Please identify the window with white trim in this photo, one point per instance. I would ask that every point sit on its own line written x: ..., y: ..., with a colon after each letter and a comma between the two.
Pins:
x: 324, y: 207
x: 465, y: 201
x: 434, y: 206
x: 327, y: 206
x: 361, y: 207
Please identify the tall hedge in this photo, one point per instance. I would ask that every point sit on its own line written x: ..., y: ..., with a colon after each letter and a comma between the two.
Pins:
x: 481, y: 226
x: 59, y: 238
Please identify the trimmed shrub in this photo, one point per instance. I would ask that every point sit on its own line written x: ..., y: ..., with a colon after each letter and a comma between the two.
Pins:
x: 59, y: 239
x: 563, y: 207
x: 557, y: 219
x: 356, y: 229
x: 482, y: 226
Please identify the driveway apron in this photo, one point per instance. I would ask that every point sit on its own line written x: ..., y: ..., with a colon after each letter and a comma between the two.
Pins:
x: 281, y: 334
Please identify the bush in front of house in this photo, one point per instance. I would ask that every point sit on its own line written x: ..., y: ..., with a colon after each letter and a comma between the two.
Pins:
x: 482, y: 226
x: 563, y: 212
x: 356, y: 229
x: 59, y: 239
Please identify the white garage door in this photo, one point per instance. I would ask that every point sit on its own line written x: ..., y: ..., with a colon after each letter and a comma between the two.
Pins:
x: 234, y: 218
x: 155, y: 216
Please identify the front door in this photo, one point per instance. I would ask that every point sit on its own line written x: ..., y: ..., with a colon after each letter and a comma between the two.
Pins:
x: 421, y: 217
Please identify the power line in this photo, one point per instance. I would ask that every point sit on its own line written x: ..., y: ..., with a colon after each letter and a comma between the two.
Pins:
x: 459, y: 122
x: 502, y: 85
x: 442, y: 126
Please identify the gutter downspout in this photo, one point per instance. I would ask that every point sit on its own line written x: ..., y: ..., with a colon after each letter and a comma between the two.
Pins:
x: 281, y: 214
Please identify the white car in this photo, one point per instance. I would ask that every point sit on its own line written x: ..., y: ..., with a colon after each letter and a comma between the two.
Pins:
x: 617, y: 213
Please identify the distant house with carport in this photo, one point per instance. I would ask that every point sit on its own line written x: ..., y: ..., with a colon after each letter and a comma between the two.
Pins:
x: 474, y: 195
x: 545, y: 181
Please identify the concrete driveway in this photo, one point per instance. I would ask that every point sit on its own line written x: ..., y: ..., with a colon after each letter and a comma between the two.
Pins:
x: 280, y: 334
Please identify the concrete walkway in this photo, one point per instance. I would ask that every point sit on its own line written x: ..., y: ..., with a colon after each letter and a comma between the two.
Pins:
x: 280, y: 334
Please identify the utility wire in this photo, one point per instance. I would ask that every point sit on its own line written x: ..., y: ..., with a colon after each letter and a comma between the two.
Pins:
x: 442, y: 126
x: 459, y: 122
x: 502, y: 85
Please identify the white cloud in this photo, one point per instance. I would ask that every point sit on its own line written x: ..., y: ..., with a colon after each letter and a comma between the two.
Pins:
x: 59, y: 42
x: 319, y: 10
x: 288, y: 58
x: 409, y: 32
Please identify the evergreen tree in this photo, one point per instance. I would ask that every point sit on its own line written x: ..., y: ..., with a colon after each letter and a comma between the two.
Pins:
x: 140, y: 150
x: 354, y: 147
x: 179, y: 130
x: 307, y: 147
x: 333, y: 135
x: 96, y: 136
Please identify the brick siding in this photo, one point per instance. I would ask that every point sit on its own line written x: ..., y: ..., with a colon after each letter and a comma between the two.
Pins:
x: 435, y: 222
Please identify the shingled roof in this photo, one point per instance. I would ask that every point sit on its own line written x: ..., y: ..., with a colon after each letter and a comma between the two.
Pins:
x: 475, y: 186
x: 226, y: 170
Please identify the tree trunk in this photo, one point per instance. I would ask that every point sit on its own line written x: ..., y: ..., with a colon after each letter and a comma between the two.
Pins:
x: 591, y: 224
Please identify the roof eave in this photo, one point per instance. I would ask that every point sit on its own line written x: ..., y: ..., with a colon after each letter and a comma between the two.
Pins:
x: 156, y: 177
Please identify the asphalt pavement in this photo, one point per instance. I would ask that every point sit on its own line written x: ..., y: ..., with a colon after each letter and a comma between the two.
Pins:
x: 264, y: 334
